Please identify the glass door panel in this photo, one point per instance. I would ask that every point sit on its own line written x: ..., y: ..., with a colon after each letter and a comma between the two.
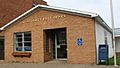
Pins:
x: 61, y: 45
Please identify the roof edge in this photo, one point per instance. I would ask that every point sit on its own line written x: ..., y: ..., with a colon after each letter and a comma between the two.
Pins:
x: 102, y: 22
x: 117, y: 36
x: 50, y: 7
x: 92, y: 15
x: 2, y: 28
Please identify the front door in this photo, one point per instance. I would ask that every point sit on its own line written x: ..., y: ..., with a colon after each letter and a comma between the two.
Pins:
x: 60, y: 45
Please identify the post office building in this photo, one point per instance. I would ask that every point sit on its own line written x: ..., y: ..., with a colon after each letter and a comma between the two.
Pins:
x: 47, y: 33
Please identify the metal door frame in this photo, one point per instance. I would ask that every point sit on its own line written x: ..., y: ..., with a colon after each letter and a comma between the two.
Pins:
x: 56, y: 46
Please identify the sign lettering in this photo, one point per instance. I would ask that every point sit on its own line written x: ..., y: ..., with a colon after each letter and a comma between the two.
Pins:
x: 47, y: 18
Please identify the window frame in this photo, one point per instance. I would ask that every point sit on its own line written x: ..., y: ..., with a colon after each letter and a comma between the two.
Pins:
x: 23, y: 41
x: 105, y: 37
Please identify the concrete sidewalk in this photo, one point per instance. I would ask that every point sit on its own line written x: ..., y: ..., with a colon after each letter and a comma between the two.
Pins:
x: 40, y: 65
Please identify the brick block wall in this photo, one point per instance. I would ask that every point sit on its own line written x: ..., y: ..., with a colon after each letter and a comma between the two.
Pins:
x: 10, y: 9
x: 77, y: 27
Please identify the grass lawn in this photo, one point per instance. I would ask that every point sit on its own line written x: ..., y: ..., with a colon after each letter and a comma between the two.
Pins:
x: 111, y: 61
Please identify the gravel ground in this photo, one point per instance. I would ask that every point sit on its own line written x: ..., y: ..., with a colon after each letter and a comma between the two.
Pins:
x: 40, y: 65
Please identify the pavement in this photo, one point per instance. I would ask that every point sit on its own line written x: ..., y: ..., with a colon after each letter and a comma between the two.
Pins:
x: 44, y: 65
x: 50, y: 64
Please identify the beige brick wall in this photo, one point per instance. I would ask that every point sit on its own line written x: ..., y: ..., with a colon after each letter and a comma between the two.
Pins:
x: 2, y: 33
x: 77, y: 27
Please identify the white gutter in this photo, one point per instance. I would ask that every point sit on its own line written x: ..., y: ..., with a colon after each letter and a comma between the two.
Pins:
x: 70, y: 10
x: 49, y: 7
x: 92, y: 15
x: 117, y: 35
x: 17, y: 18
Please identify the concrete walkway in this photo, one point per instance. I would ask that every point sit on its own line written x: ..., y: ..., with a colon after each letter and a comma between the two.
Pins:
x: 40, y: 65
x: 50, y: 64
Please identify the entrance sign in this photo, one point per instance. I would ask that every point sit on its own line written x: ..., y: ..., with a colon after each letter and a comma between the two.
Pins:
x: 79, y: 42
x: 47, y: 18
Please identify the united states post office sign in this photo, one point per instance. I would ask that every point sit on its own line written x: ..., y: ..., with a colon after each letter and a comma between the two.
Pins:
x: 79, y: 42
x: 47, y: 18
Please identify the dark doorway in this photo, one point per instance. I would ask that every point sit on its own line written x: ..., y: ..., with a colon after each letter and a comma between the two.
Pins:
x: 56, y: 42
x: 1, y: 49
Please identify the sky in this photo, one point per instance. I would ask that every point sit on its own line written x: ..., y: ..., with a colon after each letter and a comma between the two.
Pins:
x: 101, y: 7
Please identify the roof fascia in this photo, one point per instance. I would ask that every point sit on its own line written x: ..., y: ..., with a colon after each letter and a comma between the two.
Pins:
x: 58, y: 9
x: 102, y: 22
x: 14, y: 20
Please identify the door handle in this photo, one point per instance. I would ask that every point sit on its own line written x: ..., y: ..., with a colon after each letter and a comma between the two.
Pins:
x: 67, y: 49
x: 58, y: 46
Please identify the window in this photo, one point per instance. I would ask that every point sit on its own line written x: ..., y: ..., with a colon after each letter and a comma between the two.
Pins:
x: 61, y: 38
x: 22, y: 41
x: 105, y: 36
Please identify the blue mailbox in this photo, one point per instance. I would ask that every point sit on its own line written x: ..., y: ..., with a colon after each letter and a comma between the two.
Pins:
x: 103, y: 53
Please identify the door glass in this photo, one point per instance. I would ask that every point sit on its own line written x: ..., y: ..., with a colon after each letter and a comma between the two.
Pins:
x: 61, y: 45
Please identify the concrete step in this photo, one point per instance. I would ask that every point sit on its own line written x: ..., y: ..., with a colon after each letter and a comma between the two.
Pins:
x: 57, y: 62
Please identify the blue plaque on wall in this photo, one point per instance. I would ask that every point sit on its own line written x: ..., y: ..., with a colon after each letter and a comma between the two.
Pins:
x: 79, y: 42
